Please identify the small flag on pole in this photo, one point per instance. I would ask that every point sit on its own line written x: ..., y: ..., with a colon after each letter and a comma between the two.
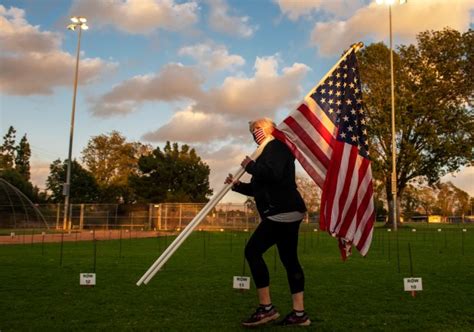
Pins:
x: 327, y: 133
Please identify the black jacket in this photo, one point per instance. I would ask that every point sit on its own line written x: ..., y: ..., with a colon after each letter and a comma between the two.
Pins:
x: 273, y: 181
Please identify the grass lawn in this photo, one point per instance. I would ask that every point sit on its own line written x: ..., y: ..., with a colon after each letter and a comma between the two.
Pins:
x: 194, y: 291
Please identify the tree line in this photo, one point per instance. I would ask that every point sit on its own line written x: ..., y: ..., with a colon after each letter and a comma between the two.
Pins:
x: 112, y: 171
x: 434, y: 93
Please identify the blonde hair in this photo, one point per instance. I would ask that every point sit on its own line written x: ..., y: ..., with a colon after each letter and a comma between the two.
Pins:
x: 265, y: 123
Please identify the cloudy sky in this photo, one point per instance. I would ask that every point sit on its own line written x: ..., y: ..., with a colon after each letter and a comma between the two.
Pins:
x: 194, y: 72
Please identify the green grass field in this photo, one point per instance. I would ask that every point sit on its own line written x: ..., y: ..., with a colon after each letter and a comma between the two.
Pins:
x: 194, y: 291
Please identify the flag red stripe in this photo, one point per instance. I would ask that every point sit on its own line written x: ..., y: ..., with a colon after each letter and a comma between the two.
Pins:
x: 307, y: 140
x: 338, y: 184
x: 368, y: 194
x: 300, y: 157
x: 364, y: 208
x: 327, y: 197
x: 365, y: 234
x: 353, y: 209
x: 291, y: 136
x: 358, y: 223
x: 318, y: 125
x: 343, y: 218
x: 327, y: 200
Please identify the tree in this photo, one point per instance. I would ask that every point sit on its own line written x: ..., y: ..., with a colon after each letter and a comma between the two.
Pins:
x: 22, y: 158
x: 172, y: 175
x: 251, y: 205
x: 15, y: 165
x: 379, y: 198
x: 434, y: 107
x: 7, y: 150
x: 427, y: 198
x: 17, y: 180
x: 410, y: 201
x: 112, y: 160
x: 84, y: 187
x: 452, y: 200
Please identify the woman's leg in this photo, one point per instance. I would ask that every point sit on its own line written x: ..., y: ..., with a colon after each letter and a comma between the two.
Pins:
x: 262, y: 238
x: 288, y: 249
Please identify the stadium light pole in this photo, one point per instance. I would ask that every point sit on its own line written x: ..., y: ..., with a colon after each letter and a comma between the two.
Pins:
x: 79, y: 24
x: 392, y: 91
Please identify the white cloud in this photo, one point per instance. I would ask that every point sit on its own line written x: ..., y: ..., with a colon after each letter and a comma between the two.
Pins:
x: 138, y: 16
x: 224, y: 160
x: 39, y: 73
x: 464, y: 179
x: 39, y: 173
x: 31, y: 61
x: 296, y: 9
x: 237, y: 97
x: 261, y: 95
x: 218, y: 114
x: 371, y: 22
x: 220, y: 20
x: 191, y: 126
x: 214, y: 57
x: 16, y: 35
x: 174, y: 82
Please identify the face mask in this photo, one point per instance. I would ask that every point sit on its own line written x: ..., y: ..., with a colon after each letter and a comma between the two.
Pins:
x: 258, y: 135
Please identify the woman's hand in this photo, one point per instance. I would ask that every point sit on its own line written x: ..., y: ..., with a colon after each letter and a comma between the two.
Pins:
x: 230, y: 179
x: 246, y: 161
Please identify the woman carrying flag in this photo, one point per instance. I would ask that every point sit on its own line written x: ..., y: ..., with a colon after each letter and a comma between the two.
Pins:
x: 281, y: 209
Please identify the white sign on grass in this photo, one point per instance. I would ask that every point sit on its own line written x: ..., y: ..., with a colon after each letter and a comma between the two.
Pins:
x: 412, y: 284
x: 241, y: 282
x: 87, y: 279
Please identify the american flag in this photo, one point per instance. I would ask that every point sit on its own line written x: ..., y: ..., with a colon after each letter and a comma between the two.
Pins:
x: 327, y: 133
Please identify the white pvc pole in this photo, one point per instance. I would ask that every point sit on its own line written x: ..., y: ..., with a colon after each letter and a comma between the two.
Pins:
x: 156, y: 266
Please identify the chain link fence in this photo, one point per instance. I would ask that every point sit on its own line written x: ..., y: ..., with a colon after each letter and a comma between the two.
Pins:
x: 157, y: 217
x: 144, y: 217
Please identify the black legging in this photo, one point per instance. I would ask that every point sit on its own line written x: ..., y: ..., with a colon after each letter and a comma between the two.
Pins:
x: 285, y: 236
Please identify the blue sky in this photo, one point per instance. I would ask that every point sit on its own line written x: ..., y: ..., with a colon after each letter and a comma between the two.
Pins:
x: 189, y: 71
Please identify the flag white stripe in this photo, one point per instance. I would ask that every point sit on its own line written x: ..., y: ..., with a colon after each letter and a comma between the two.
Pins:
x: 311, y: 159
x: 340, y: 185
x: 361, y: 193
x: 319, y: 113
x: 367, y: 243
x: 368, y: 211
x: 313, y: 133
x: 363, y: 223
x: 352, y: 189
